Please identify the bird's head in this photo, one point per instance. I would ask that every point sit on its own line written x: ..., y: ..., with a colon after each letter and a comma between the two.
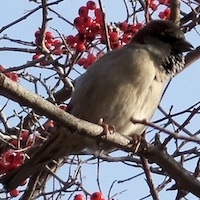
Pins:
x: 165, y: 31
x: 168, y: 43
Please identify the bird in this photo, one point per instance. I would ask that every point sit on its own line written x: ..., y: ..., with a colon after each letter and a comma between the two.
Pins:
x: 124, y: 84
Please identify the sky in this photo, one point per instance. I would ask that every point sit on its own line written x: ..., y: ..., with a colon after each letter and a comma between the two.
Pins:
x: 183, y: 90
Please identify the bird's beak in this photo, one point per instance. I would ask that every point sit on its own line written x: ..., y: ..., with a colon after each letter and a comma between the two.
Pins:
x: 183, y: 45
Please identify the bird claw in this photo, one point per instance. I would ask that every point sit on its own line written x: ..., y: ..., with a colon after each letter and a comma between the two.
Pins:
x: 107, y: 129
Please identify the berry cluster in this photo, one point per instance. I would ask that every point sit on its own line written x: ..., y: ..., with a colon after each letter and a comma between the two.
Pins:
x: 13, y: 76
x: 12, y: 159
x: 165, y: 14
x: 153, y: 4
x: 94, y: 196
x: 9, y: 161
x: 90, y: 27
x: 87, y: 61
x: 52, y: 44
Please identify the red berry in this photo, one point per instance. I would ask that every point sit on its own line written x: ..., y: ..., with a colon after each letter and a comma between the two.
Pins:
x: 24, y: 135
x: 56, y: 43
x: 80, y: 38
x: 123, y: 26
x: 114, y: 36
x: 91, y: 5
x: 153, y: 6
x: 71, y: 40
x: 48, y: 45
x: 14, y: 193
x: 90, y: 36
x: 38, y: 40
x: 37, y: 33
x: 98, y: 13
x: 161, y: 15
x: 82, y: 30
x: 14, y: 142
x: 58, y: 51
x: 82, y: 61
x: 167, y: 13
x: 79, y: 197
x: 83, y: 11
x: 12, y: 166
x: 126, y: 38
x: 78, y: 22
x: 87, y: 21
x: 165, y: 2
x: 95, y: 27
x: 9, y: 156
x: 91, y: 58
x: 134, y: 29
x: 115, y: 45
x: 19, y: 158
x: 80, y: 47
x: 36, y: 57
x: 48, y: 35
x: 96, y: 196
x: 139, y: 25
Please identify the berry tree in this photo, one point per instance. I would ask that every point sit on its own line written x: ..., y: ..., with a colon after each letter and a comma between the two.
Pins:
x: 46, y: 59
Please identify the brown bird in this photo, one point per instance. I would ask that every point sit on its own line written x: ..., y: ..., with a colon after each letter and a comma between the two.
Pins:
x: 124, y: 84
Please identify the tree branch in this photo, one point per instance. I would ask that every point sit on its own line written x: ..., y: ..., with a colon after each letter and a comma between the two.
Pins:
x: 184, y: 180
x: 25, y: 97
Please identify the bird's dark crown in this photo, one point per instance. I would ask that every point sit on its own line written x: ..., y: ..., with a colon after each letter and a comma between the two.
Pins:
x: 168, y: 33
x: 164, y: 30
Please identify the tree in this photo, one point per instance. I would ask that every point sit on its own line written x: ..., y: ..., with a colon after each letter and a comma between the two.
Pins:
x: 168, y: 161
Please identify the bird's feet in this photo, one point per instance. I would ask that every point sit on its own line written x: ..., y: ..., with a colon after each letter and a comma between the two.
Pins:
x: 107, y: 129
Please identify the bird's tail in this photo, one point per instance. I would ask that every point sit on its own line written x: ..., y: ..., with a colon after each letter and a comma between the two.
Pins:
x: 38, y: 181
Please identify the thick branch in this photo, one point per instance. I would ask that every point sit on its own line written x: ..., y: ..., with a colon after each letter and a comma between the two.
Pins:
x: 175, y: 11
x: 175, y: 170
x: 192, y: 57
x: 25, y: 97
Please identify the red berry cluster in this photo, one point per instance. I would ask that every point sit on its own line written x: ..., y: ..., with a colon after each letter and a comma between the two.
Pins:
x: 24, y: 140
x: 129, y: 30
x: 11, y: 160
x: 88, y: 28
x: 165, y: 14
x: 13, y: 76
x: 87, y: 61
x: 153, y: 4
x: 89, y: 25
x: 15, y: 192
x: 52, y: 44
x: 94, y: 196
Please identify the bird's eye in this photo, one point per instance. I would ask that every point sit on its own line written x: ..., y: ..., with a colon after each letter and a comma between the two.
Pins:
x: 171, y: 36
